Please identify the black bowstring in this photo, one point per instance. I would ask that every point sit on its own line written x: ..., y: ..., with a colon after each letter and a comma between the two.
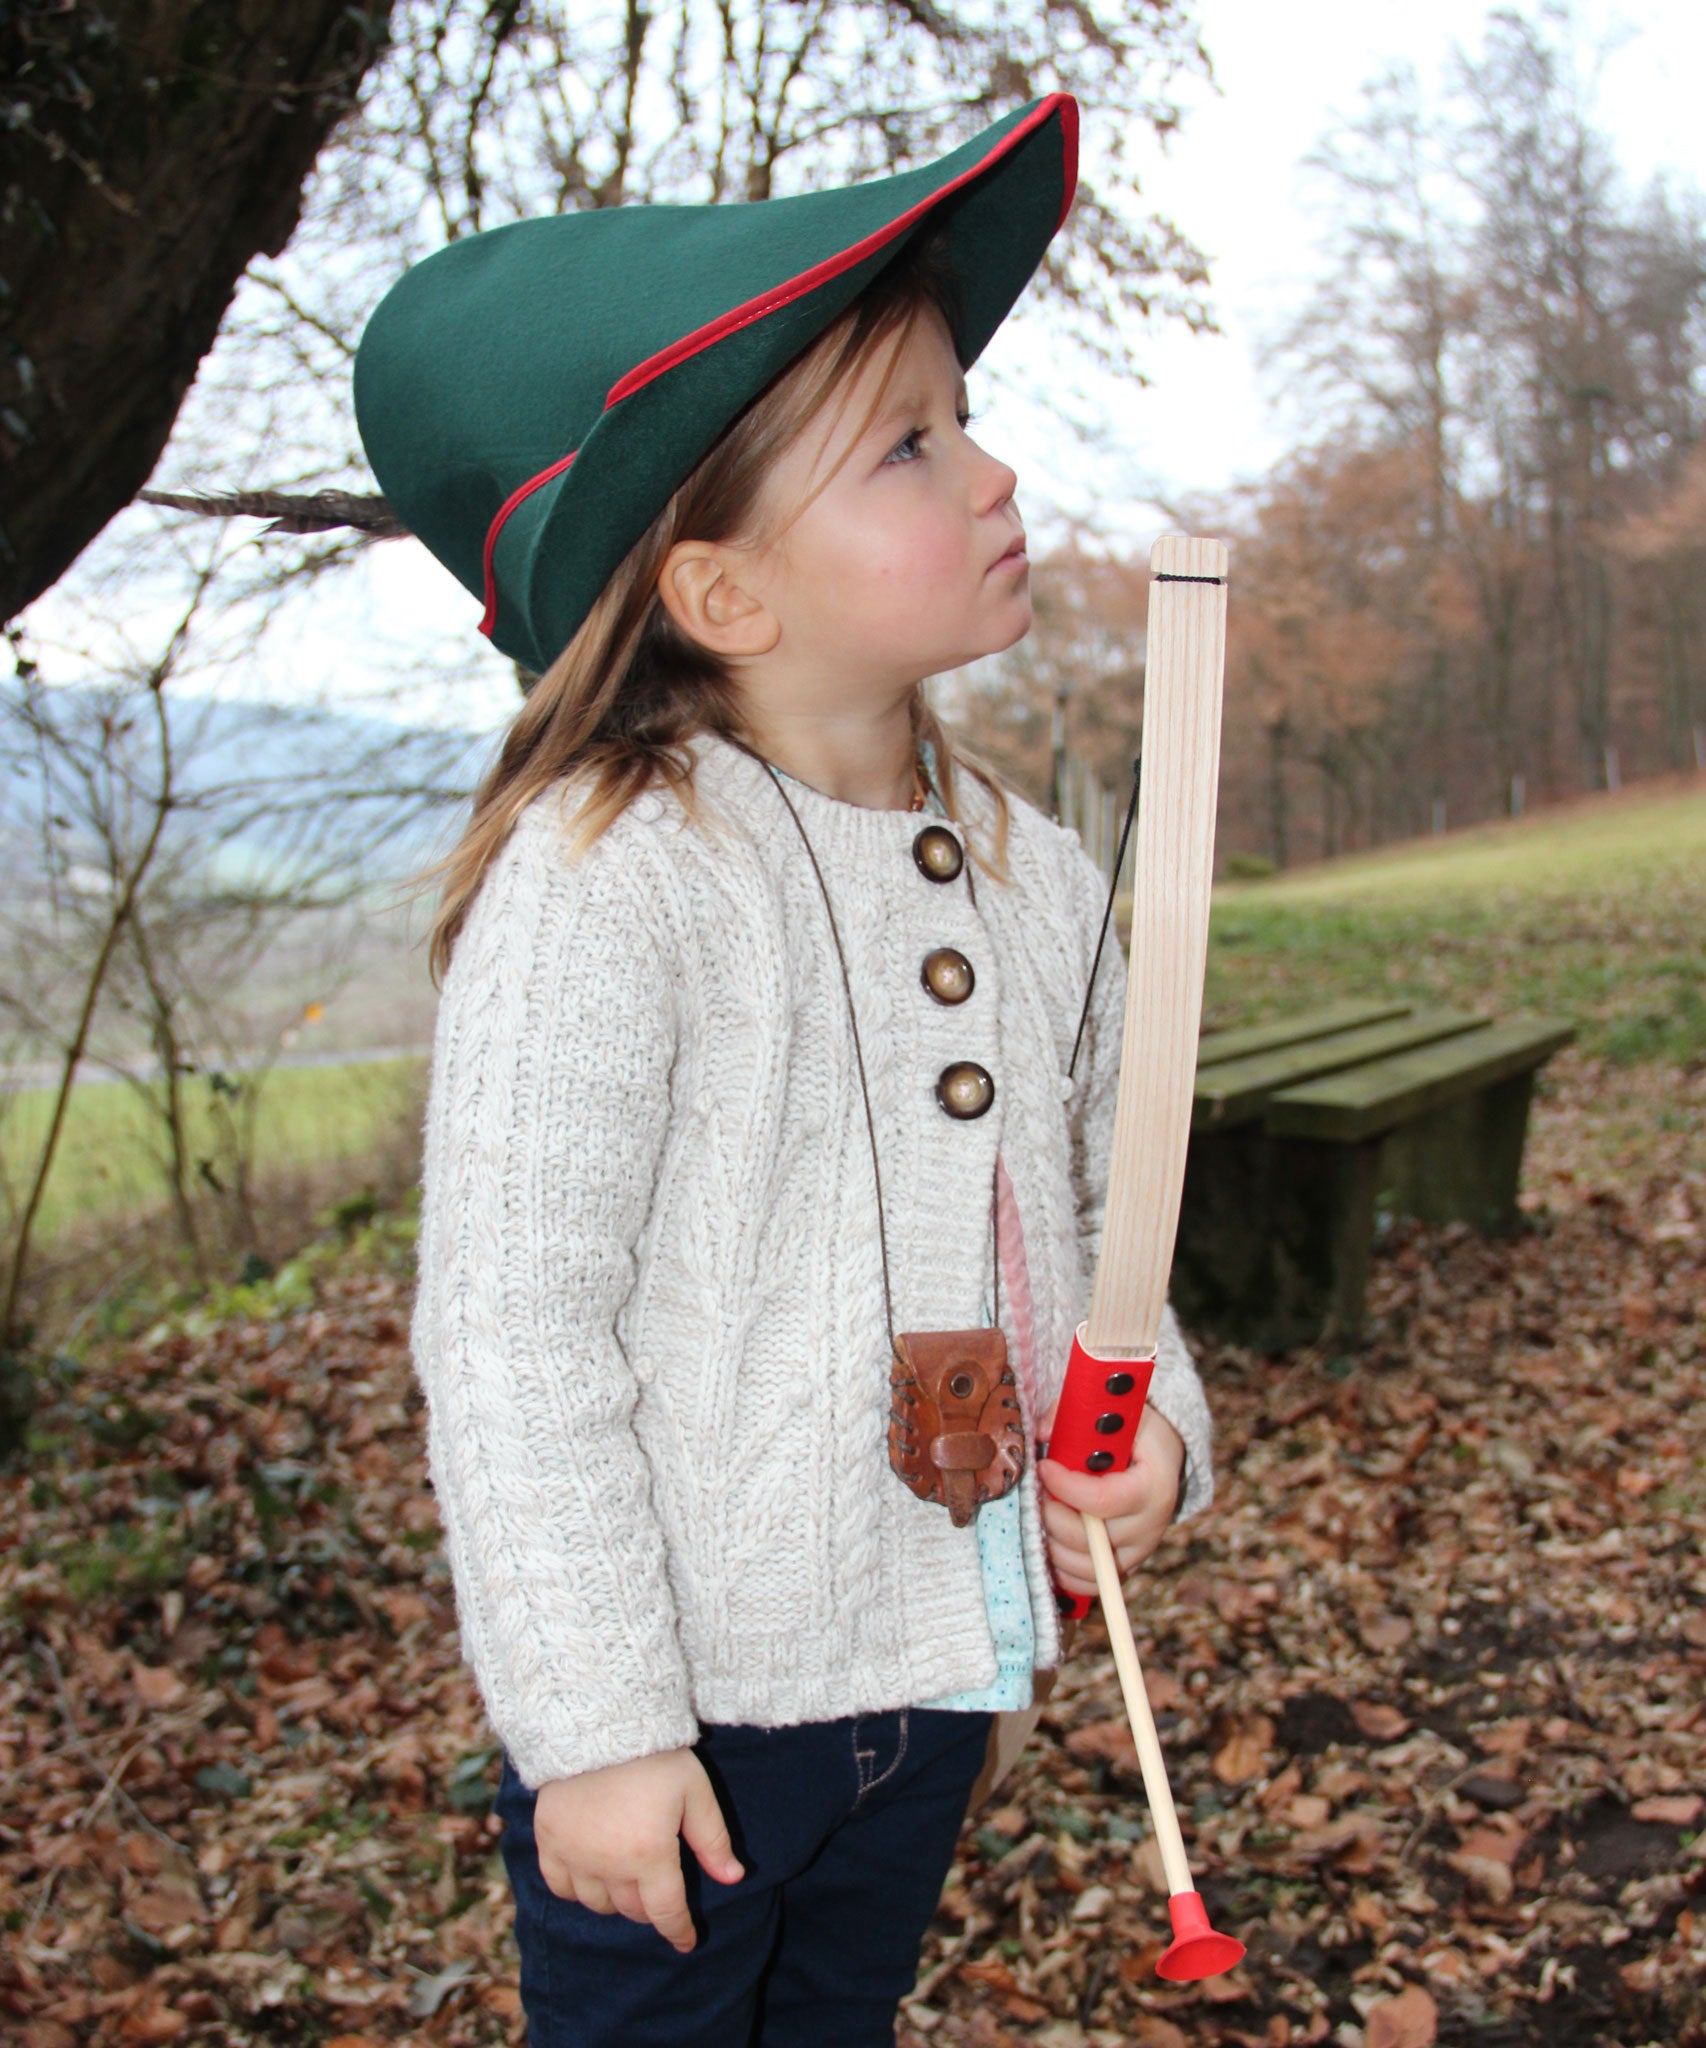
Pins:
x: 1119, y: 863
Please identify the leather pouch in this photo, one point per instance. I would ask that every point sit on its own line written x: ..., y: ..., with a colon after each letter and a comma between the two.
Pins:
x: 955, y: 1432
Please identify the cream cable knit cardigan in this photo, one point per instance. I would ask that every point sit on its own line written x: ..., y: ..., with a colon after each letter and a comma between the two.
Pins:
x: 650, y: 1320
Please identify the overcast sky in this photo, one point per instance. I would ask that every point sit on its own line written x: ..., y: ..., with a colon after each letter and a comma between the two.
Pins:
x: 1231, y: 181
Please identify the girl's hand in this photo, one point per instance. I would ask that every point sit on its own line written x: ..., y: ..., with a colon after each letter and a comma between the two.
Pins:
x: 1137, y: 1504
x: 612, y: 1839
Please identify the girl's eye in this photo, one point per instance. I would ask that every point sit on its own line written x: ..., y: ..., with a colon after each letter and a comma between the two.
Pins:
x: 912, y: 445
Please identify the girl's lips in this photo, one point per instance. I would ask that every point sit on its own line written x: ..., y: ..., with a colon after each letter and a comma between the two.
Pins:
x: 1016, y: 553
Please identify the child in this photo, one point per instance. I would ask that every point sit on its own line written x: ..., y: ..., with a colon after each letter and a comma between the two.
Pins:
x: 750, y: 1077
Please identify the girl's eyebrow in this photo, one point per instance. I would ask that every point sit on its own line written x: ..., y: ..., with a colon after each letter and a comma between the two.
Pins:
x: 909, y: 404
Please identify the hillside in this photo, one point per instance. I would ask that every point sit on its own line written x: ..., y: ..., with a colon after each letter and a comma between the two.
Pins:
x: 1594, y: 909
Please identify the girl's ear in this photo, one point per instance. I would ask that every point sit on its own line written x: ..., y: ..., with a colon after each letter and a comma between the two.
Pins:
x: 700, y: 589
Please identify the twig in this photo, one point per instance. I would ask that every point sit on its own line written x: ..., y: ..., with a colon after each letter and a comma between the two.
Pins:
x: 110, y: 1787
x: 105, y: 1294
x: 950, y: 1959
x: 1430, y: 1813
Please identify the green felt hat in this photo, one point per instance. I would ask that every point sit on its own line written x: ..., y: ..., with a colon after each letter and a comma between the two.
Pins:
x: 531, y: 397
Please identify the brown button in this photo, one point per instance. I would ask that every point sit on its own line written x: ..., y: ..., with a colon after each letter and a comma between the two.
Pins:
x: 965, y: 1090
x: 947, y: 975
x: 938, y: 854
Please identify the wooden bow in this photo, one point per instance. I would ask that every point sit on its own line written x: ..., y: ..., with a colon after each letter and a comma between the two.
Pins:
x: 1174, y: 870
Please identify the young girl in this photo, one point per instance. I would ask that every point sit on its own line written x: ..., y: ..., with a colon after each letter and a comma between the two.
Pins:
x: 750, y: 1080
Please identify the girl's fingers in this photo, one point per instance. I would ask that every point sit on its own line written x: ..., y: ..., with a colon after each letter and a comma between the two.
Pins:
x: 706, y: 1832
x: 1137, y: 1549
x: 1112, y: 1495
x: 1133, y: 1537
x: 594, y: 1894
x: 664, y: 1900
x: 626, y: 1898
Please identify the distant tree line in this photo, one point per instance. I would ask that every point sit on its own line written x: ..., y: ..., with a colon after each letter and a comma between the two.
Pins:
x: 1481, y: 581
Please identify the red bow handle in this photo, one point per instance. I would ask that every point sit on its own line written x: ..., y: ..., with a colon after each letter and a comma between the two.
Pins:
x: 1095, y: 1425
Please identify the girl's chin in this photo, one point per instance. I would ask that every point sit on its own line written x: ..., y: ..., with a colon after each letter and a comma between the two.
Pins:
x: 979, y: 650
x: 1023, y: 618
x: 1000, y: 627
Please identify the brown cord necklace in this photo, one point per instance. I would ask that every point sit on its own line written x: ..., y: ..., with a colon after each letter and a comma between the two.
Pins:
x: 955, y: 1433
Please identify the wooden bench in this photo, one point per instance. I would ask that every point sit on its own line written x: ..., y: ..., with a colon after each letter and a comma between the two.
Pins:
x: 1304, y: 1129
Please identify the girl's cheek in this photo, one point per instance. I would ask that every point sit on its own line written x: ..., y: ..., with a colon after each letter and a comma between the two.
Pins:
x: 925, y: 556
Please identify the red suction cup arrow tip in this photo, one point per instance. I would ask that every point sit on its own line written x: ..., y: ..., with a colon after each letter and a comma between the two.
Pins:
x: 1197, y: 1951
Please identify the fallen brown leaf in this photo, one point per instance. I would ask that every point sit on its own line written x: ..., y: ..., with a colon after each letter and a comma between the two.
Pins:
x: 1244, y: 1753
x: 1493, y: 1878
x: 1105, y: 1741
x: 157, y: 1685
x: 1508, y: 1738
x: 1679, y: 1810
x: 1150, y: 2030
x: 1387, y: 1631
x: 1411, y: 2020
x: 1495, y: 1845
x: 151, y: 2023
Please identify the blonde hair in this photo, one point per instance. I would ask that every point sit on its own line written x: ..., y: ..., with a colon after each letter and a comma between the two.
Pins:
x: 614, y: 709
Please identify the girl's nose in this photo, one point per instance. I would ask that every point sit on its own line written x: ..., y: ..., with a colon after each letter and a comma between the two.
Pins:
x: 996, y: 483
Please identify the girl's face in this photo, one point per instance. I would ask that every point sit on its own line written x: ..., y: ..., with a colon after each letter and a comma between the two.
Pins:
x: 911, y: 559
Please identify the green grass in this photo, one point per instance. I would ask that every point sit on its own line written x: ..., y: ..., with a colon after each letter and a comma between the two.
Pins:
x: 1595, y: 912
x: 109, y: 1154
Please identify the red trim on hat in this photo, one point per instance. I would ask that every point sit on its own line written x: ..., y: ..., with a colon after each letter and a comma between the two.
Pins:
x: 515, y: 497
x: 832, y: 266
x: 793, y: 288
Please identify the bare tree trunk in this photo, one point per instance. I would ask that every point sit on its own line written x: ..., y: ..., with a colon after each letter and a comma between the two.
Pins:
x: 1277, y: 813
x: 154, y: 147
x: 174, y: 1112
x: 124, y: 899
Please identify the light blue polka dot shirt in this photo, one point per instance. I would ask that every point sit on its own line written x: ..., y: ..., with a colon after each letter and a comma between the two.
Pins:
x: 1001, y: 1552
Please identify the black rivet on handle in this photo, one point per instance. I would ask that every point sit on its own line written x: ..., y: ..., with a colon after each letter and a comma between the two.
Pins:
x: 1098, y: 1461
x: 1120, y: 1383
x: 1109, y: 1425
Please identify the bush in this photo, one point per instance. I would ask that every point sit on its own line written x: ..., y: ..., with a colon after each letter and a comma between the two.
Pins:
x: 1248, y: 867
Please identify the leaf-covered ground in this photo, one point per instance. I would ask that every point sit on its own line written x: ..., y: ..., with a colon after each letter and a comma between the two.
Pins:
x: 1430, y: 1676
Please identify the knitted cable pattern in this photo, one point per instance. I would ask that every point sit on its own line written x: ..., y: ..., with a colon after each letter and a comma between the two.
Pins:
x: 650, y: 1324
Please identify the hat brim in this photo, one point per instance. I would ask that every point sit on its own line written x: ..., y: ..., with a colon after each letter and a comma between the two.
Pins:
x: 556, y: 541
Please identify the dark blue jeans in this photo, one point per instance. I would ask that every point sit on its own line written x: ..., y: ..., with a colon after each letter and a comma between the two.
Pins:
x: 845, y: 1829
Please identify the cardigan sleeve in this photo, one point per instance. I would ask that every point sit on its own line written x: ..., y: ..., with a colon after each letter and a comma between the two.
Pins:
x: 548, y: 1106
x: 1176, y: 1389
